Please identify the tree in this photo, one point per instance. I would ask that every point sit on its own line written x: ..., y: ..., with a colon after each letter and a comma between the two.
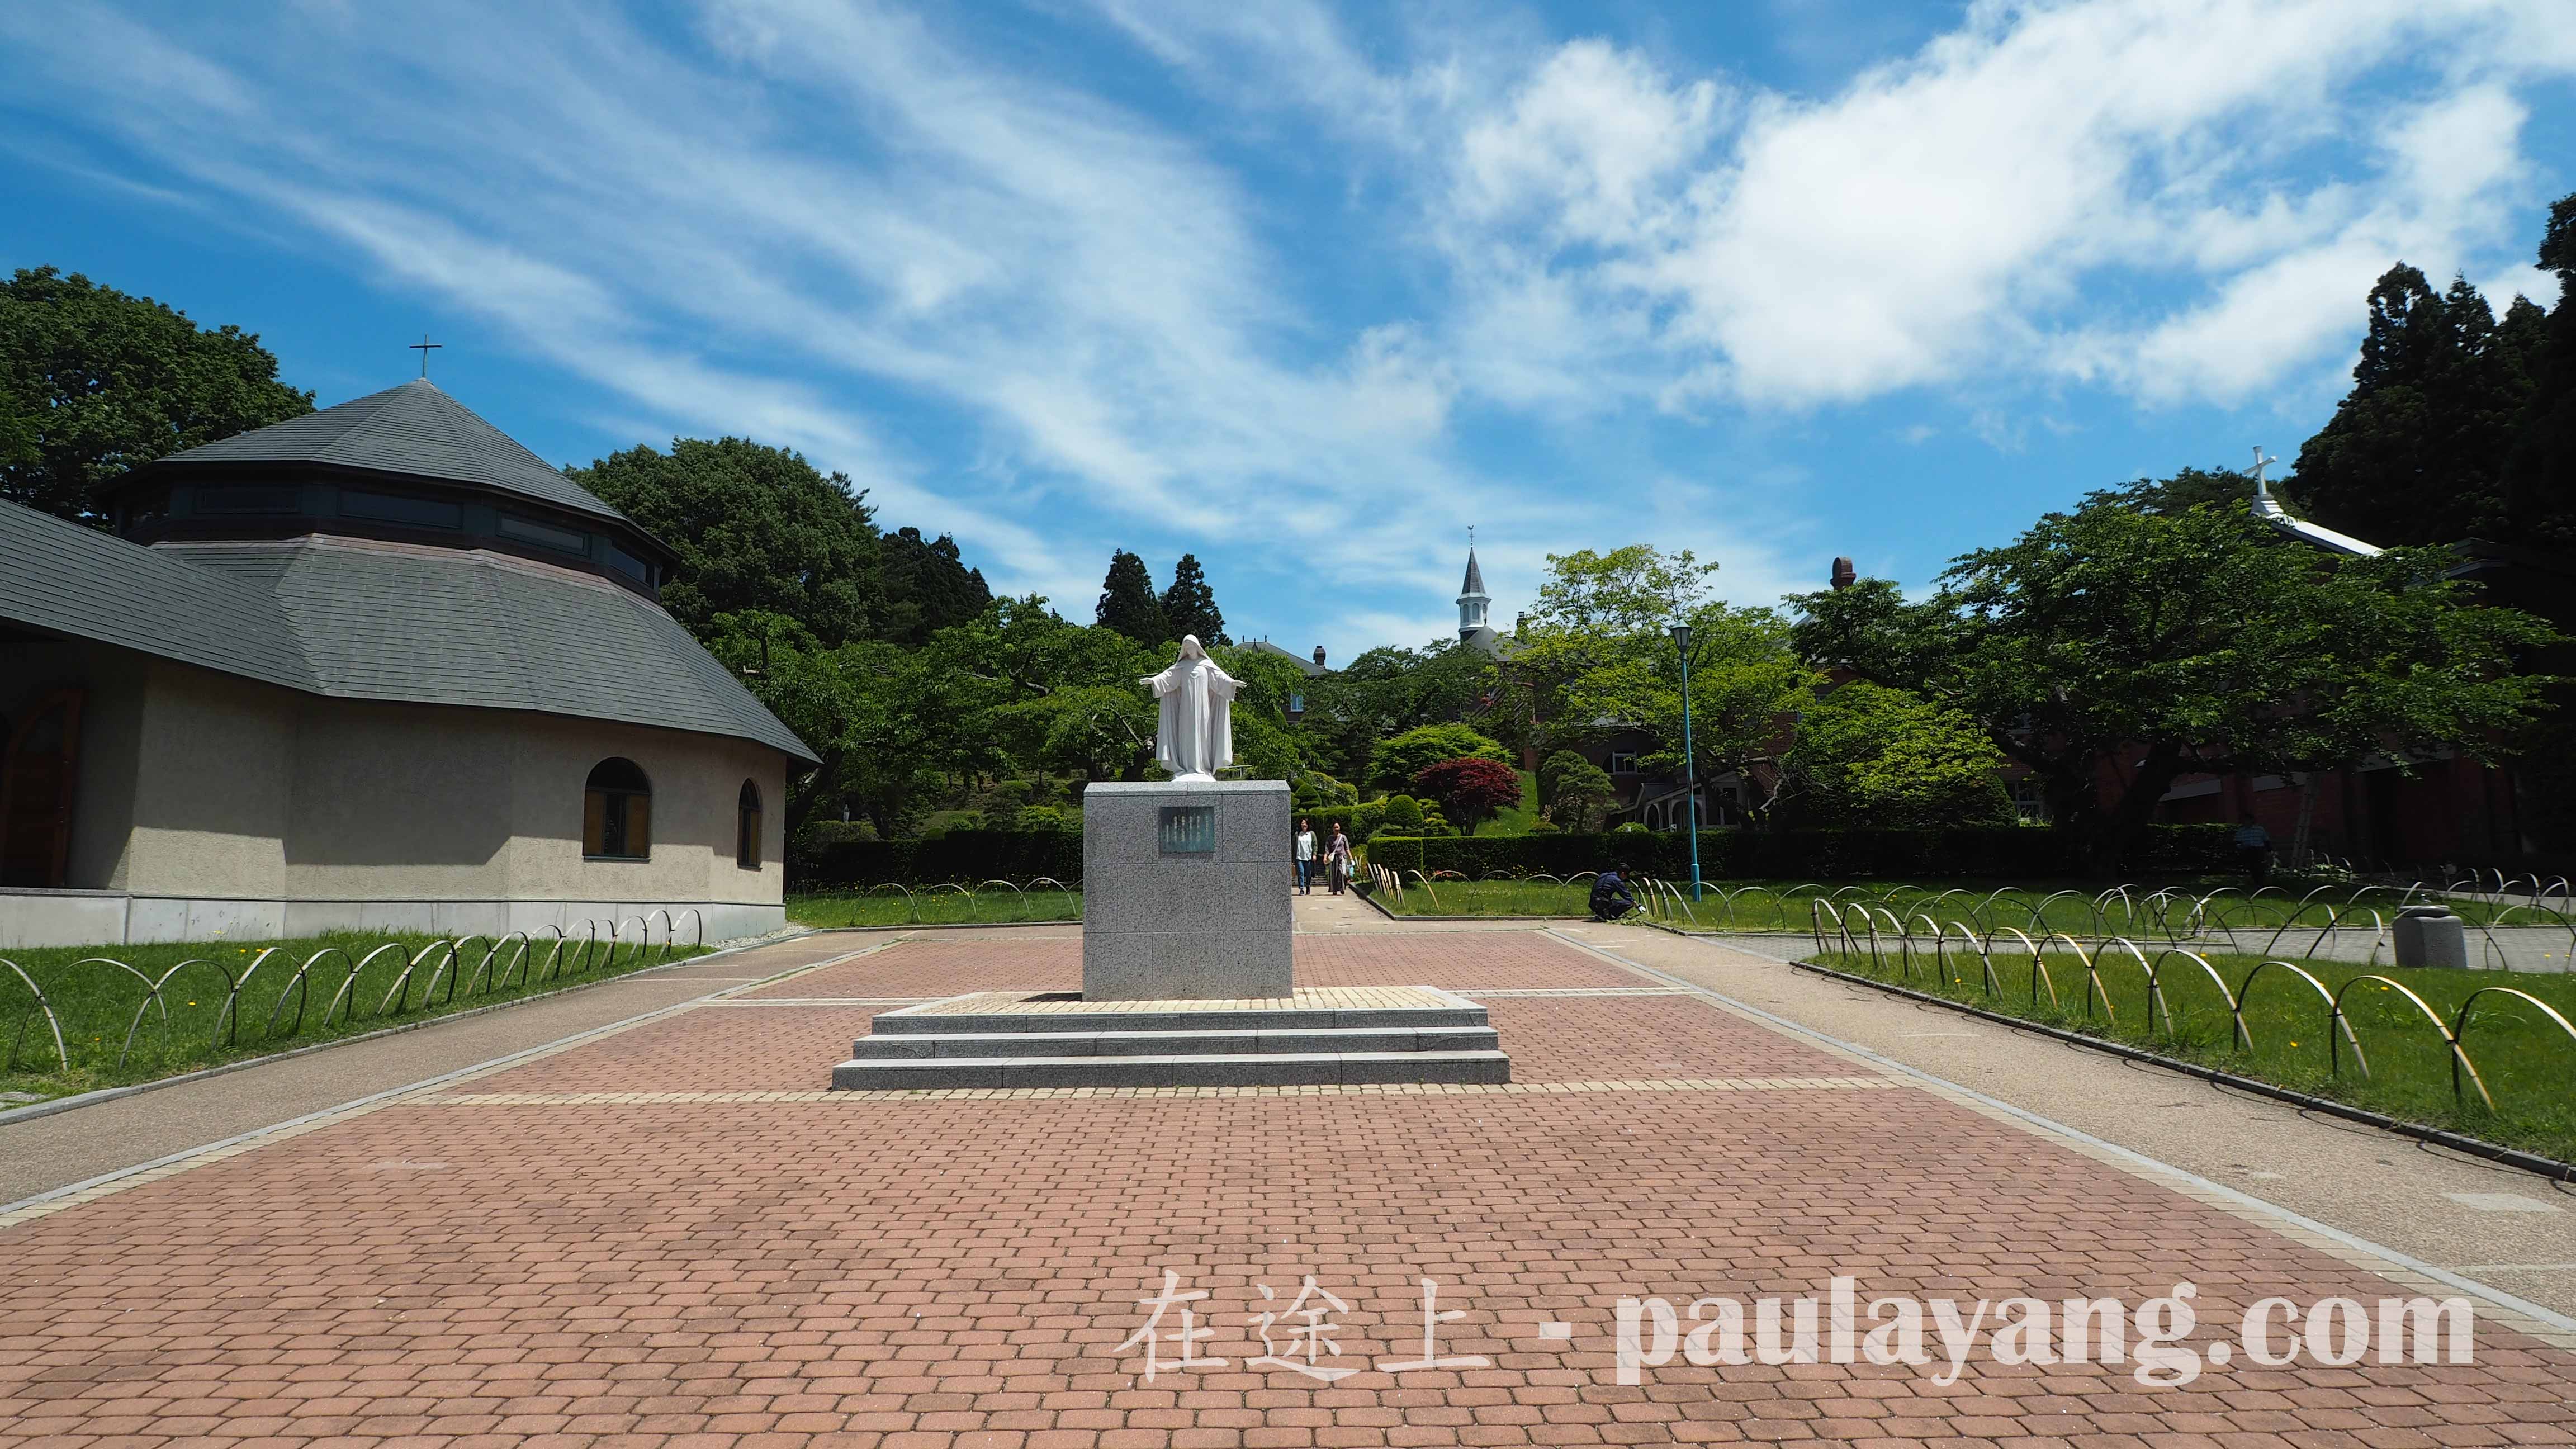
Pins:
x: 1598, y: 656
x: 2112, y: 643
x: 1396, y: 761
x: 2540, y: 473
x: 1189, y: 605
x: 1389, y: 690
x: 2186, y: 489
x: 1470, y: 790
x: 883, y: 722
x: 1098, y: 731
x: 928, y: 586
x: 1575, y: 791
x: 1870, y: 756
x: 2415, y: 454
x: 94, y: 382
x: 1127, y: 602
x: 756, y: 528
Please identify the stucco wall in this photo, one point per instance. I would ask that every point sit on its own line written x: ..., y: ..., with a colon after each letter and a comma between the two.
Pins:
x: 210, y: 799
x: 214, y: 773
x: 696, y: 781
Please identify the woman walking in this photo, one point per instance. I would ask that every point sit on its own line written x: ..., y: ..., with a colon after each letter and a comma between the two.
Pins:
x: 1337, y: 858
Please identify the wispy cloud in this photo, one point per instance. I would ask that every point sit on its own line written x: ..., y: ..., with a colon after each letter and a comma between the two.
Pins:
x: 1309, y: 294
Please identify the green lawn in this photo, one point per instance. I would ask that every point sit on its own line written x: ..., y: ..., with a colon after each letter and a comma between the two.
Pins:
x: 96, y: 1002
x: 932, y: 906
x: 2527, y: 1061
x: 1515, y: 819
x: 1487, y: 898
x: 2210, y: 906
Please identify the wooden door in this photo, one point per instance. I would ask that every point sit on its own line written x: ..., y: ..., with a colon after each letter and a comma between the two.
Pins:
x: 36, y: 776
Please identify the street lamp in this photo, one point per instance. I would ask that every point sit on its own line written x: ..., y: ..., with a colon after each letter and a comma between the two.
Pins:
x: 1690, y: 759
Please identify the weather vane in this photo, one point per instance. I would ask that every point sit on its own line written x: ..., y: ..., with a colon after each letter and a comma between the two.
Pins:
x: 424, y: 347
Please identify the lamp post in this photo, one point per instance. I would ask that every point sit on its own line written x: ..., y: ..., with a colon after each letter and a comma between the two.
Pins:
x: 1690, y: 758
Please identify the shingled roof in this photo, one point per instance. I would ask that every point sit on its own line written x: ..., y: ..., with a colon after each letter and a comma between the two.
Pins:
x: 1475, y: 584
x: 62, y: 578
x: 413, y: 429
x: 352, y: 619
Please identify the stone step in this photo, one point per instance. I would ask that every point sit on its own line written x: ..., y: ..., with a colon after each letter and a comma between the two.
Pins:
x: 1311, y: 1042
x: 1242, y: 1069
x: 911, y: 1020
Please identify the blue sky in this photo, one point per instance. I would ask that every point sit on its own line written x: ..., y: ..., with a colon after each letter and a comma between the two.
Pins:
x: 1307, y: 289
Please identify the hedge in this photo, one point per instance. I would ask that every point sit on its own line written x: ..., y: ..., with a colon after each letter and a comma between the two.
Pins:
x: 963, y: 856
x: 2018, y: 852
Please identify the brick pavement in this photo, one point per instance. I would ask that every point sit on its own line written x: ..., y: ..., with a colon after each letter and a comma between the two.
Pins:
x: 956, y: 1270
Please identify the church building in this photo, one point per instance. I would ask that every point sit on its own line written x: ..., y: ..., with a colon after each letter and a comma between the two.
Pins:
x: 375, y: 667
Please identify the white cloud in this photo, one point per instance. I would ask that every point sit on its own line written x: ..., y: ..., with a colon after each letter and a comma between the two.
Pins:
x: 1051, y: 319
x: 1949, y: 218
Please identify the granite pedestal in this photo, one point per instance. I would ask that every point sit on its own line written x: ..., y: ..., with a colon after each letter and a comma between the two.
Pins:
x: 1320, y: 1036
x: 1188, y: 960
x: 1185, y: 891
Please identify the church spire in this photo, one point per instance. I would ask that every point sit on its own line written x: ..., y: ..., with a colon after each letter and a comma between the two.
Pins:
x: 1472, y: 599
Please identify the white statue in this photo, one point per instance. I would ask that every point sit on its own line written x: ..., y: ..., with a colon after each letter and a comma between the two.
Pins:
x: 1196, y: 737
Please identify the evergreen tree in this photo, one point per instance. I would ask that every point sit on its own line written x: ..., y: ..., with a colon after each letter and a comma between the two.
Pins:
x: 94, y: 382
x: 1189, y: 605
x: 928, y: 586
x: 1127, y: 602
x: 2540, y: 482
x: 756, y: 527
x: 2416, y: 452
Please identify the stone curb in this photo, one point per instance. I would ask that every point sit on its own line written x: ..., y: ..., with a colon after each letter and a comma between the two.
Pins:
x: 34, y: 1110
x: 2532, y: 1162
x: 117, y: 1180
x: 2553, y: 1327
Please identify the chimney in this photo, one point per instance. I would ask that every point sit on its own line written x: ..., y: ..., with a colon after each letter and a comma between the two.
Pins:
x: 1319, y: 656
x: 1843, y: 574
x: 1520, y: 622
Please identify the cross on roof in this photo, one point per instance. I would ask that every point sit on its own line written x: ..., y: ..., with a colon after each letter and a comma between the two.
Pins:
x: 424, y: 347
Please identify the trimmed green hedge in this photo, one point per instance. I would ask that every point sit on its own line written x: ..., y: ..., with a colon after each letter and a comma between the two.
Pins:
x: 2023, y: 852
x: 963, y: 856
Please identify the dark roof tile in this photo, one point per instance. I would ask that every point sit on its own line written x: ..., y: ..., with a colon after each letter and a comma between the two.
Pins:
x: 412, y: 429
x: 380, y: 621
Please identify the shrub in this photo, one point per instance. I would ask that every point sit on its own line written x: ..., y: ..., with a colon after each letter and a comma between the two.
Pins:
x: 964, y: 856
x: 1403, y: 813
x: 1395, y: 761
x: 1573, y: 791
x: 1470, y: 789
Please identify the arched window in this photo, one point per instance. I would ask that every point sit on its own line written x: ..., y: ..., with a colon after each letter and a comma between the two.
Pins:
x: 617, y: 812
x: 746, y: 828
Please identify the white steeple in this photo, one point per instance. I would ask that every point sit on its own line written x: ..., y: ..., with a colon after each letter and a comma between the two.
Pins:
x: 1472, y: 598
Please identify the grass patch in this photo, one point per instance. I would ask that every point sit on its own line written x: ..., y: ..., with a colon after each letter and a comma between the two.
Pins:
x: 191, y: 1027
x: 2037, y: 908
x: 2525, y: 1059
x: 1489, y: 898
x: 1515, y: 819
x: 933, y: 906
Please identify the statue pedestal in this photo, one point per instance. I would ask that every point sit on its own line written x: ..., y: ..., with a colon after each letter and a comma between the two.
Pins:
x: 1185, y: 891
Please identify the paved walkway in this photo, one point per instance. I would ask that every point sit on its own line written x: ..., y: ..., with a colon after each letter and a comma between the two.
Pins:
x: 49, y: 1152
x: 667, y: 1235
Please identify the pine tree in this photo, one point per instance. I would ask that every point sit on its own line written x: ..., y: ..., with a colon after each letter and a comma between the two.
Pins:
x: 2416, y: 452
x: 2540, y: 482
x: 1189, y: 605
x: 928, y: 586
x: 1127, y: 602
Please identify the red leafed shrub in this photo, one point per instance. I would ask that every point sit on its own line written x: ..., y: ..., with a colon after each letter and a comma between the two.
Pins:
x: 1469, y: 790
